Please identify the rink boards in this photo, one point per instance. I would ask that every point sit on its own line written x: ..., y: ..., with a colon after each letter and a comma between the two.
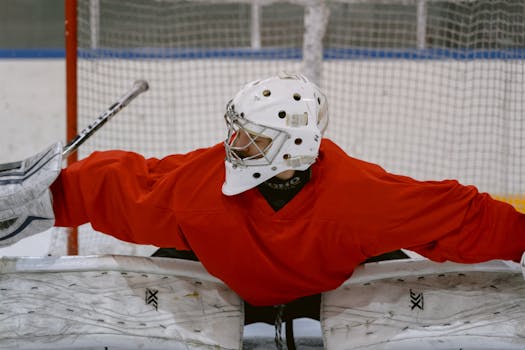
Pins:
x: 123, y: 302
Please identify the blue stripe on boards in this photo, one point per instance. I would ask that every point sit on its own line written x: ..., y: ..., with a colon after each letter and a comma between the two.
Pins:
x: 31, y: 53
x: 271, y: 54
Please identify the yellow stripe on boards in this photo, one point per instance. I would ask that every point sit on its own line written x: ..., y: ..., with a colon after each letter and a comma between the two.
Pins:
x: 517, y: 201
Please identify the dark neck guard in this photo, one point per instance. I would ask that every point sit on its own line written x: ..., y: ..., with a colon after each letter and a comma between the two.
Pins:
x: 279, y: 192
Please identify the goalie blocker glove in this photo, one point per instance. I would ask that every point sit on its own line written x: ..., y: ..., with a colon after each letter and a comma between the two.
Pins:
x: 25, y: 199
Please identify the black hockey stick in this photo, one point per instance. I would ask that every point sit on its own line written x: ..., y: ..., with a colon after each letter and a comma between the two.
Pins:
x: 138, y: 87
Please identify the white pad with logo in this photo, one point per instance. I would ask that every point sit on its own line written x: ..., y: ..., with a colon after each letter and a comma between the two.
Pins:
x: 410, y: 304
x: 25, y: 199
x: 116, y: 302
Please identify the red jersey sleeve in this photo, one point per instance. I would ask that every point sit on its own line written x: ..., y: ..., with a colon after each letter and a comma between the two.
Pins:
x: 441, y: 220
x: 115, y: 192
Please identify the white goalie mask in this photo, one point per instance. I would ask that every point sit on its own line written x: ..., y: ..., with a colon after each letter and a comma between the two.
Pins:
x: 273, y: 125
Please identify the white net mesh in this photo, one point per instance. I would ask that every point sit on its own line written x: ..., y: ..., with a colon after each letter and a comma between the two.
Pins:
x: 430, y: 89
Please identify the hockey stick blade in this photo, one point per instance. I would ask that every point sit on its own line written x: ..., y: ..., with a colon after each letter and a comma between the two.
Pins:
x: 138, y: 87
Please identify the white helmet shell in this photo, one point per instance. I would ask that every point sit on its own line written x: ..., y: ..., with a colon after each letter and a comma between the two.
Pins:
x: 291, y: 112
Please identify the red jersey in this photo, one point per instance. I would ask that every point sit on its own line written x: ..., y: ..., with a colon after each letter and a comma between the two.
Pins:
x: 350, y: 210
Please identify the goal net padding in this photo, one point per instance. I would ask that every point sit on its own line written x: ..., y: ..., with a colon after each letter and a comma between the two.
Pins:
x: 429, y: 89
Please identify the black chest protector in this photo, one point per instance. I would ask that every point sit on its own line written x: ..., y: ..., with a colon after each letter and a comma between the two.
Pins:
x: 279, y: 192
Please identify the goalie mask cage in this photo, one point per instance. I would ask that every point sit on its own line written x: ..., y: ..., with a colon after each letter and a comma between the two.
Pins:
x: 430, y: 89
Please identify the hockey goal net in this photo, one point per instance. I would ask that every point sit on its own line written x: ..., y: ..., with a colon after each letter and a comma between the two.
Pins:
x: 431, y: 89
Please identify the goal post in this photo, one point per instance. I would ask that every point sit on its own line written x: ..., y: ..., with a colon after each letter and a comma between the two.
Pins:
x: 432, y: 89
x: 71, y: 43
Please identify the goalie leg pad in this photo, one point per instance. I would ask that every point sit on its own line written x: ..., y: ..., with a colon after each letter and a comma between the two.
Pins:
x: 419, y: 304
x: 116, y: 302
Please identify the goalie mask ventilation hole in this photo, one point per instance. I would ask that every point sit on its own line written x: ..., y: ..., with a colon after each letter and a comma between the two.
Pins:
x: 286, y: 156
x: 282, y: 114
x: 298, y: 141
x: 318, y: 101
x: 256, y: 175
x: 296, y: 96
x: 266, y: 93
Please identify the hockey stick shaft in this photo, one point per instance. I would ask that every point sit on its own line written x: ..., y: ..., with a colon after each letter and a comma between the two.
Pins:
x: 138, y: 87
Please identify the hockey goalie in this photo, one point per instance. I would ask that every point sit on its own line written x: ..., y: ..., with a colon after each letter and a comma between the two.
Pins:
x: 276, y: 212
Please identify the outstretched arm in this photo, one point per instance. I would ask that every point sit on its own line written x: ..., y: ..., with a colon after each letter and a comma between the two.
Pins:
x: 116, y: 192
x: 442, y: 220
